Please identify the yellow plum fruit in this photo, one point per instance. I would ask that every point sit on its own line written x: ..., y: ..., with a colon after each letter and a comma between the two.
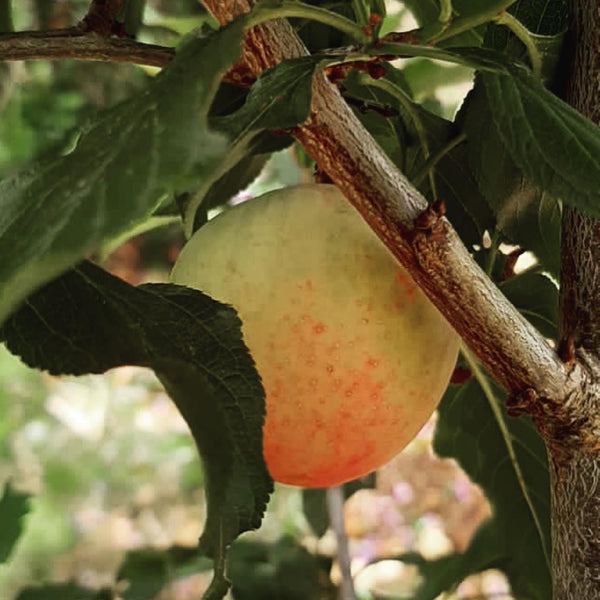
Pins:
x: 353, y: 356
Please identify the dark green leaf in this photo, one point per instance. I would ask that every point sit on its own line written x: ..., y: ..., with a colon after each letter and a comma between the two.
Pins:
x: 318, y: 36
x: 133, y: 16
x: 547, y: 22
x: 507, y: 458
x: 555, y: 147
x: 88, y: 321
x: 525, y: 215
x: 540, y: 17
x: 64, y: 591
x: 280, y: 98
x: 58, y: 210
x: 146, y: 572
x: 13, y: 507
x: 246, y: 170
x: 6, y: 23
x: 444, y: 574
x: 283, y: 570
x: 532, y: 219
x: 237, y: 178
x: 314, y: 507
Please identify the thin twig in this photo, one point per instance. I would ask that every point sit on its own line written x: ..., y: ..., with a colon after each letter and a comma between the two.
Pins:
x: 77, y: 44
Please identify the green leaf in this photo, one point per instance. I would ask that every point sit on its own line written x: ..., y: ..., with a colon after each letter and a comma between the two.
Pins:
x: 555, y: 147
x: 314, y: 507
x: 58, y: 210
x: 237, y: 178
x: 318, y: 36
x: 526, y: 215
x: 532, y: 219
x: 13, y: 507
x: 88, y: 321
x: 547, y: 18
x: 446, y: 573
x: 133, y: 16
x: 547, y: 21
x: 280, y: 570
x: 279, y: 99
x: 507, y: 458
x: 6, y: 23
x: 424, y: 76
x: 146, y: 572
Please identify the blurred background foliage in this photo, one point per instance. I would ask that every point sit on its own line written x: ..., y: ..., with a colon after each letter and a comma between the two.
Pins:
x: 105, y: 484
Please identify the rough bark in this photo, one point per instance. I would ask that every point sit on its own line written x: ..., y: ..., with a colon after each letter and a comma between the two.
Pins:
x: 575, y: 453
x: 576, y: 527
x: 509, y: 347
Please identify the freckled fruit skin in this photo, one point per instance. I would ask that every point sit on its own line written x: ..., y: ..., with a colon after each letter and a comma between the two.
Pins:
x: 353, y: 356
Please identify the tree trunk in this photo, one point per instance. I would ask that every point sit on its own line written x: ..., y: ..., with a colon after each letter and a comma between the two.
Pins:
x: 575, y: 449
x: 576, y: 526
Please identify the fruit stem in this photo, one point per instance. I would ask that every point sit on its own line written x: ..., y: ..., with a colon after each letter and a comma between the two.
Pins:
x: 335, y: 507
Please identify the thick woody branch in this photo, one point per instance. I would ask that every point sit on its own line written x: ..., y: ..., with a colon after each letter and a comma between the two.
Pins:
x: 580, y: 276
x: 77, y: 44
x: 512, y: 350
x: 575, y: 447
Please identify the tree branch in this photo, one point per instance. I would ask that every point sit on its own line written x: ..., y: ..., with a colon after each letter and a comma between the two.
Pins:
x: 511, y: 349
x: 78, y: 44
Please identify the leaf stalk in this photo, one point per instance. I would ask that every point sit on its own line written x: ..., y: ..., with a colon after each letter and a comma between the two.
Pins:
x: 464, y: 24
x: 267, y: 10
x: 524, y: 36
